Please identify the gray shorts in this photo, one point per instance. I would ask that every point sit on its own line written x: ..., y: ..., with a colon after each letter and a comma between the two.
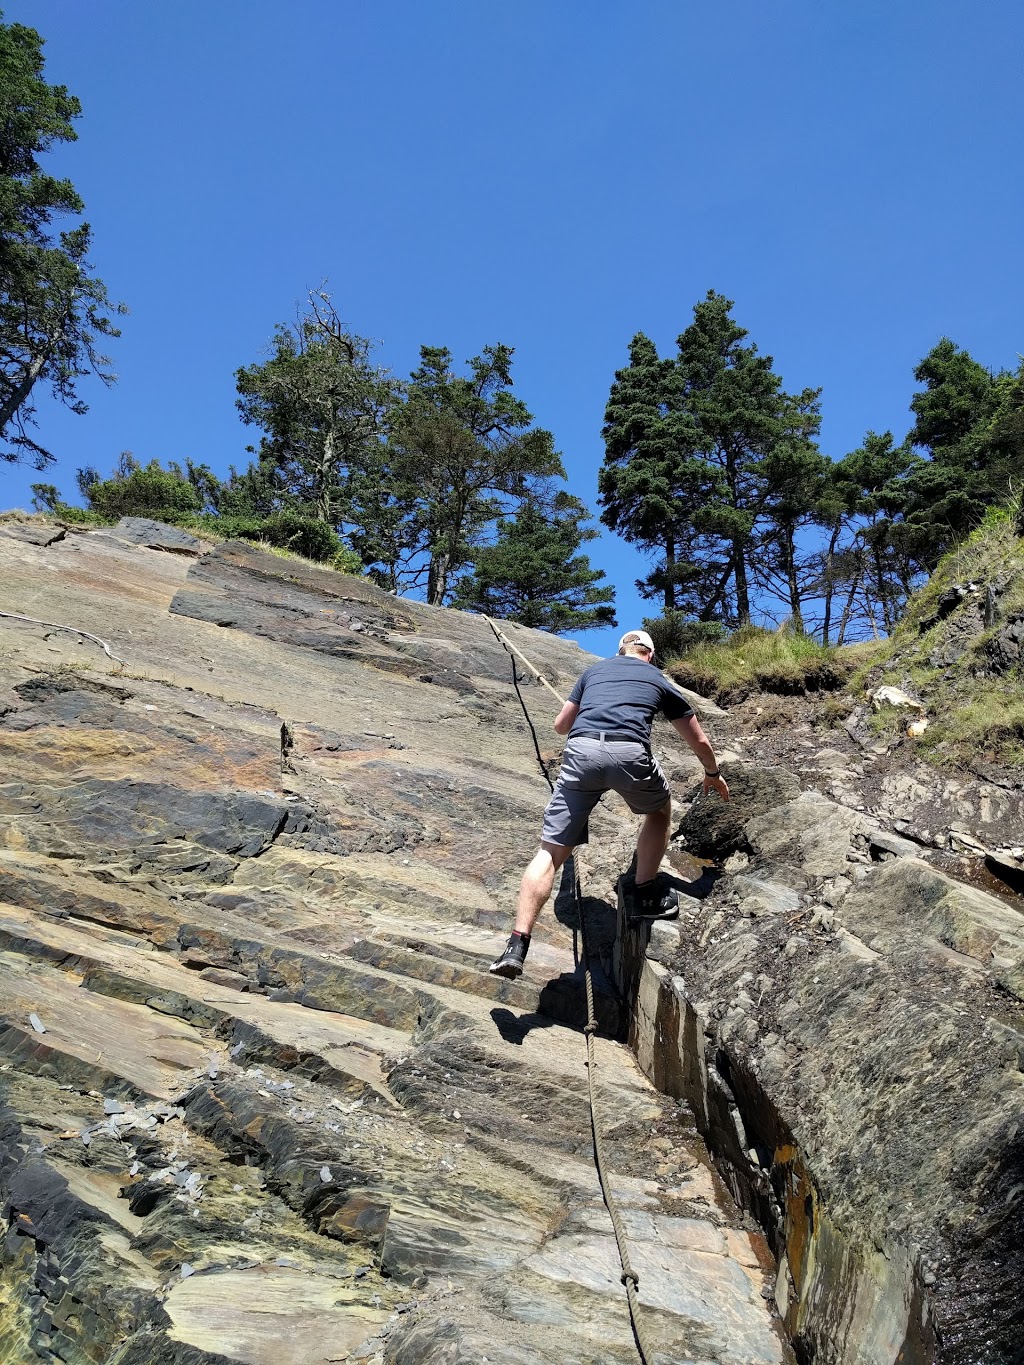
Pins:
x: 591, y: 767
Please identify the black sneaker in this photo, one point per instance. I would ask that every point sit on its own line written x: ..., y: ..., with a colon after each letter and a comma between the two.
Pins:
x: 510, y: 964
x: 649, y: 902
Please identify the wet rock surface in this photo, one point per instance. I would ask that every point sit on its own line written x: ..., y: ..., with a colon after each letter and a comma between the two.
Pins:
x: 259, y: 1099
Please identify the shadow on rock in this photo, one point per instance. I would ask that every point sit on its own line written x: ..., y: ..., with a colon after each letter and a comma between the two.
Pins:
x: 514, y: 1027
x: 697, y: 888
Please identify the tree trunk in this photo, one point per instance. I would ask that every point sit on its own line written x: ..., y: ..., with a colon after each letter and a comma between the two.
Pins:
x: 22, y: 389
x: 707, y: 611
x: 739, y: 567
x: 844, y: 620
x: 829, y: 584
x: 34, y: 369
x: 437, y: 578
x: 739, y: 562
x: 670, y: 574
x: 883, y: 598
x: 322, y: 499
x: 789, y: 555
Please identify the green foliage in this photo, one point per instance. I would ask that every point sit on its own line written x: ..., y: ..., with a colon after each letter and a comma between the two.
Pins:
x: 709, y: 460
x: 745, y: 419
x: 652, y: 474
x: 45, y: 496
x: 958, y: 395
x: 675, y: 634
x: 137, y: 490
x: 867, y: 564
x: 712, y: 467
x: 285, y: 530
x: 758, y: 660
x: 415, y: 476
x: 191, y: 497
x: 534, y: 574
x: 323, y: 407
x: 462, y: 452
x: 969, y: 423
x: 52, y: 309
x: 79, y: 516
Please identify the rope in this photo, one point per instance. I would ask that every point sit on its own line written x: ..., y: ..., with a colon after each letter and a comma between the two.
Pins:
x: 507, y: 645
x: 629, y: 1277
x: 72, y: 630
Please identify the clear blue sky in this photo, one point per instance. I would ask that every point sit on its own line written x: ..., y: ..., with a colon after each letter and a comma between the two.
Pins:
x: 551, y: 175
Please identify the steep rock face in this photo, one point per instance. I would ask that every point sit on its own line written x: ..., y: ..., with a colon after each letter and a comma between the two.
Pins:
x: 847, y: 1021
x: 261, y: 1102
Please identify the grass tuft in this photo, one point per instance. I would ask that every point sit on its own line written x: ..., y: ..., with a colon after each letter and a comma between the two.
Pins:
x: 757, y: 660
x: 974, y: 710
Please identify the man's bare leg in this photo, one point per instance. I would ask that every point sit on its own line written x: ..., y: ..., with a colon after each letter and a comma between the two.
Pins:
x: 534, y: 890
x: 652, y: 843
x: 538, y: 880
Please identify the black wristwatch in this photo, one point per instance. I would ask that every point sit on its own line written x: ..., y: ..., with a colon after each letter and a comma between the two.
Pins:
x: 716, y: 773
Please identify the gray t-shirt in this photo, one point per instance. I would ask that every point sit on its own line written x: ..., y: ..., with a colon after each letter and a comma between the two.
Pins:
x: 621, y: 697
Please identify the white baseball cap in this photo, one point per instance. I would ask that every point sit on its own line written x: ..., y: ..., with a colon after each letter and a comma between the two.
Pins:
x: 636, y: 637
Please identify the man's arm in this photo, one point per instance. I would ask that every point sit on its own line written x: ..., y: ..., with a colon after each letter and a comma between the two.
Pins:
x: 689, y: 728
x: 564, y: 719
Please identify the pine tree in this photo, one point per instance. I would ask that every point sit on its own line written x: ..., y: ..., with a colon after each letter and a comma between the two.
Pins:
x: 651, y: 479
x: 868, y: 560
x: 747, y: 428
x: 463, y: 451
x: 53, y: 311
x: 534, y: 574
x: 965, y: 470
x: 323, y: 406
x: 796, y: 477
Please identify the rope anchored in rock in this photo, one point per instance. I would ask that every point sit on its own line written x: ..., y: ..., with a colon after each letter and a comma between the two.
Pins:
x: 629, y: 1277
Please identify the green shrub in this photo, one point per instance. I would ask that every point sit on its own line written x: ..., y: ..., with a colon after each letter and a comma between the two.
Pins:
x: 285, y: 530
x: 347, y: 561
x: 147, y: 491
x: 675, y: 634
x: 80, y: 516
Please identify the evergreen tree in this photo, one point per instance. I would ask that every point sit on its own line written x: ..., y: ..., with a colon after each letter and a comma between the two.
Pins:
x: 701, y: 452
x: 534, y: 574
x: 796, y: 477
x: 52, y: 310
x: 868, y: 559
x: 744, y: 419
x: 964, y: 472
x: 652, y: 477
x: 462, y: 452
x: 323, y: 407
x: 958, y: 394
x: 1001, y: 442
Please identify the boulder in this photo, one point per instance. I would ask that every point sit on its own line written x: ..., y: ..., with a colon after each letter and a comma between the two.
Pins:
x: 810, y: 834
x: 713, y: 828
x: 157, y: 535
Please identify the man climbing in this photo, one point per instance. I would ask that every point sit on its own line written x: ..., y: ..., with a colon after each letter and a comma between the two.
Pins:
x: 608, y: 720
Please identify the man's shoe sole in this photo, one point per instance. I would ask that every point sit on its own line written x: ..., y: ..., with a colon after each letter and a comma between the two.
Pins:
x: 509, y: 970
x: 637, y: 918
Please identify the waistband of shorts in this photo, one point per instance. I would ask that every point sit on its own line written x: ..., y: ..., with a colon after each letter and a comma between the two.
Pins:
x: 613, y: 737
